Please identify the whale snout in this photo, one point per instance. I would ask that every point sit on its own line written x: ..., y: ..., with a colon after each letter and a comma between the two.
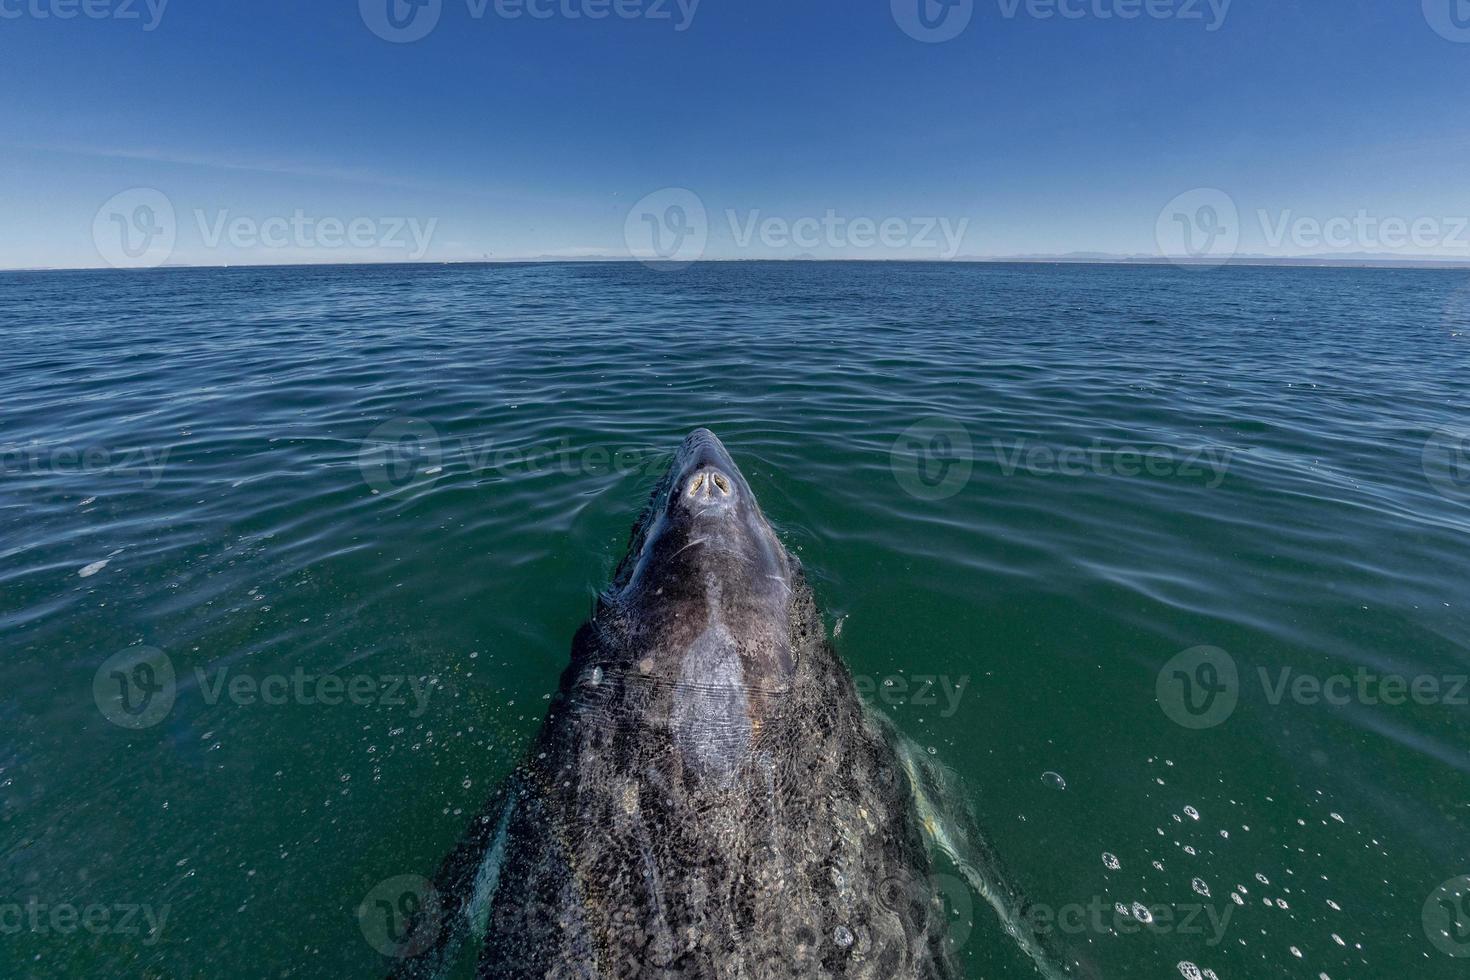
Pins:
x: 703, y: 448
x: 709, y: 481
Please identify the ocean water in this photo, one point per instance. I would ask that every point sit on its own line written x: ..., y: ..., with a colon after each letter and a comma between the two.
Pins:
x: 1168, y: 565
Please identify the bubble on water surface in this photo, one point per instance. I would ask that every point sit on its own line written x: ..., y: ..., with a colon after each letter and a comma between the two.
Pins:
x: 1054, y: 780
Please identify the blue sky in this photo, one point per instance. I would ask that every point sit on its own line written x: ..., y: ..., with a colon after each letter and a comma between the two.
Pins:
x: 284, y: 132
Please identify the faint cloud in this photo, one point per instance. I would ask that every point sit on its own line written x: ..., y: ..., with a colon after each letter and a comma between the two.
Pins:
x: 289, y: 168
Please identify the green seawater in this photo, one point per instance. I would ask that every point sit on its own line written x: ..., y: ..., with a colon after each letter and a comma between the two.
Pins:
x: 1168, y: 566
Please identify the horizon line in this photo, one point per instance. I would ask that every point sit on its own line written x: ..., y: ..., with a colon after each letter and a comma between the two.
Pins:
x: 1252, y: 261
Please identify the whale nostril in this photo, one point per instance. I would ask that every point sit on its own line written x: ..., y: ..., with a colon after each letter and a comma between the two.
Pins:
x: 709, y: 485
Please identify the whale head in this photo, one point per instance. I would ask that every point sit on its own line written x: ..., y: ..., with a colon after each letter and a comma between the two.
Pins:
x: 698, y: 620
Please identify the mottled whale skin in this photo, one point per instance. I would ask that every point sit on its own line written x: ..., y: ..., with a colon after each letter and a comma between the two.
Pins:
x: 708, y: 797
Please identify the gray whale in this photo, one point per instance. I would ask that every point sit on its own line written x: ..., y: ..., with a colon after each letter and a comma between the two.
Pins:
x: 708, y: 797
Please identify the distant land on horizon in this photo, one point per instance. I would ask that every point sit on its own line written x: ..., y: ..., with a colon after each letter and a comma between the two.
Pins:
x: 1357, y: 260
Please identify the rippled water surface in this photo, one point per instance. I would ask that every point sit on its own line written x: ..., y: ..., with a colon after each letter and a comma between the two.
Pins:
x: 1026, y: 496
